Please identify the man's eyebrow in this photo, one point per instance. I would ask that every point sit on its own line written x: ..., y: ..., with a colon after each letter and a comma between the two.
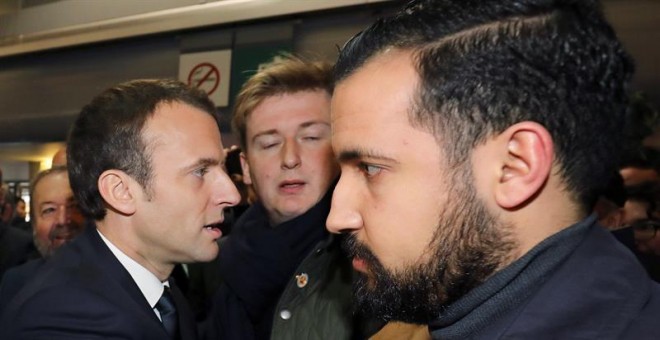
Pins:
x: 264, y: 133
x: 202, y: 162
x: 352, y: 155
x: 313, y: 123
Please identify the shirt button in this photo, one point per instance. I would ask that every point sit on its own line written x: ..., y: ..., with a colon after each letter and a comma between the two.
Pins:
x: 285, y: 314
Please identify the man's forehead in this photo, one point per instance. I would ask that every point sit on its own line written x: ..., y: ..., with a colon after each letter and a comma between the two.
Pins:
x: 389, y: 73
x: 382, y: 64
x: 51, y: 191
x: 294, y: 106
x: 166, y: 127
x: 53, y: 178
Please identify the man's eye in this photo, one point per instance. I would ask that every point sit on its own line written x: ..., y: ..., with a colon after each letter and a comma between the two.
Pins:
x: 47, y: 211
x: 370, y: 170
x: 266, y: 146
x: 311, y: 138
x: 201, y: 171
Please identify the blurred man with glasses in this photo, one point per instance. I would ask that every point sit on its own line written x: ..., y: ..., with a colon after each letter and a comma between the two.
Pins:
x: 646, y: 236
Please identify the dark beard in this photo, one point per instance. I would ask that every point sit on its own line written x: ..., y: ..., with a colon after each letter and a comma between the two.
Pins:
x: 469, y: 245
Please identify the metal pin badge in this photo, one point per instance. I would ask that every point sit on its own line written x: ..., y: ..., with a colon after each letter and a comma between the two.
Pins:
x: 302, y: 279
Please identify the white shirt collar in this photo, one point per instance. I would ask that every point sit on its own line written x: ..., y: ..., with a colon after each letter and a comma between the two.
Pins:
x: 148, y: 283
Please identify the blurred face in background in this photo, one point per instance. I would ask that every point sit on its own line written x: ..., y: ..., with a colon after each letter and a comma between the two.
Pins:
x: 20, y: 209
x: 57, y: 219
x: 647, y: 239
x: 638, y: 214
x: 635, y: 210
x: 288, y: 158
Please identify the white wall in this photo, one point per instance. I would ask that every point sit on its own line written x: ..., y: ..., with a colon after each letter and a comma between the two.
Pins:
x: 15, y: 171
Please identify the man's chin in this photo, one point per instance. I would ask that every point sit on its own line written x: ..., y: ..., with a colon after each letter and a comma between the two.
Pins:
x: 60, y: 241
x: 209, y: 254
x: 387, y: 304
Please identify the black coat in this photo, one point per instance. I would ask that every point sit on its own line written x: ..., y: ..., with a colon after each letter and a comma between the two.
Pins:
x: 599, y: 291
x: 15, y: 278
x: 16, y: 247
x: 84, y: 292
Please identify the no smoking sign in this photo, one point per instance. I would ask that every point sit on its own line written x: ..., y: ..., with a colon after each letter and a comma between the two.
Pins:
x: 205, y: 76
x: 208, y: 71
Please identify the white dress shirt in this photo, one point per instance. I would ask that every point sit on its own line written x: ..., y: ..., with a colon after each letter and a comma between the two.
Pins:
x: 149, y: 284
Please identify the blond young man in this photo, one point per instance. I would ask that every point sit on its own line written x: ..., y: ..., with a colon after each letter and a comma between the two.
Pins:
x: 284, y: 276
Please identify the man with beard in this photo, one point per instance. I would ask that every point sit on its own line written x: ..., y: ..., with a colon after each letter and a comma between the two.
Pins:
x: 53, y: 211
x: 56, y: 220
x: 473, y: 139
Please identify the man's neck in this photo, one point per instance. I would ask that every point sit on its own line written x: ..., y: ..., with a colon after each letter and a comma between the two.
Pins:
x: 122, y: 237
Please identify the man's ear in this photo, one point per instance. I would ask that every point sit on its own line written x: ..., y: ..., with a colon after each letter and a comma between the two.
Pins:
x: 116, y: 188
x: 246, y: 169
x: 526, y: 165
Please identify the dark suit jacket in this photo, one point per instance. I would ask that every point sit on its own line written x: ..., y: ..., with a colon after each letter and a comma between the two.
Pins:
x: 84, y: 292
x: 15, y: 278
x: 16, y: 247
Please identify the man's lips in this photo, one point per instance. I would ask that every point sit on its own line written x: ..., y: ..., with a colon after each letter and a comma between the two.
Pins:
x: 61, y: 233
x: 214, y: 229
x: 291, y: 186
x: 292, y: 182
x: 63, y: 236
x: 360, y: 265
x: 216, y: 224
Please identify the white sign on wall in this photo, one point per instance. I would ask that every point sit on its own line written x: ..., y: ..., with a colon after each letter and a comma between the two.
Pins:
x: 209, y: 71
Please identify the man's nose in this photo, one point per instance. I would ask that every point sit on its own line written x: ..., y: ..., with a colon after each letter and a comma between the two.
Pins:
x: 225, y: 192
x: 344, y: 214
x: 290, y: 154
x: 63, y: 215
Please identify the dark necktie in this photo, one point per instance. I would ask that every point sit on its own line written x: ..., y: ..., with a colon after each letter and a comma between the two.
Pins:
x: 168, y: 315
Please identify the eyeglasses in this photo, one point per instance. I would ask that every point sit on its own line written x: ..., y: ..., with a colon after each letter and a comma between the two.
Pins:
x: 645, y: 229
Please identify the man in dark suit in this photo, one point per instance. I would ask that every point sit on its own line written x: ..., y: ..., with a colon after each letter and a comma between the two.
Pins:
x: 145, y: 162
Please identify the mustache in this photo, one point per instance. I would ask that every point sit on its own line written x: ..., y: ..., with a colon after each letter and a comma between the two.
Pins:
x: 354, y: 248
x: 56, y: 231
x: 59, y: 229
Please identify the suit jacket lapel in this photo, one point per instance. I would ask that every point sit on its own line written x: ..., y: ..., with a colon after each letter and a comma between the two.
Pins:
x: 115, y: 274
x: 107, y: 277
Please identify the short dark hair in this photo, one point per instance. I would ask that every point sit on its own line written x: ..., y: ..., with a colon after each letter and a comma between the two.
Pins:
x: 108, y: 135
x: 485, y: 65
